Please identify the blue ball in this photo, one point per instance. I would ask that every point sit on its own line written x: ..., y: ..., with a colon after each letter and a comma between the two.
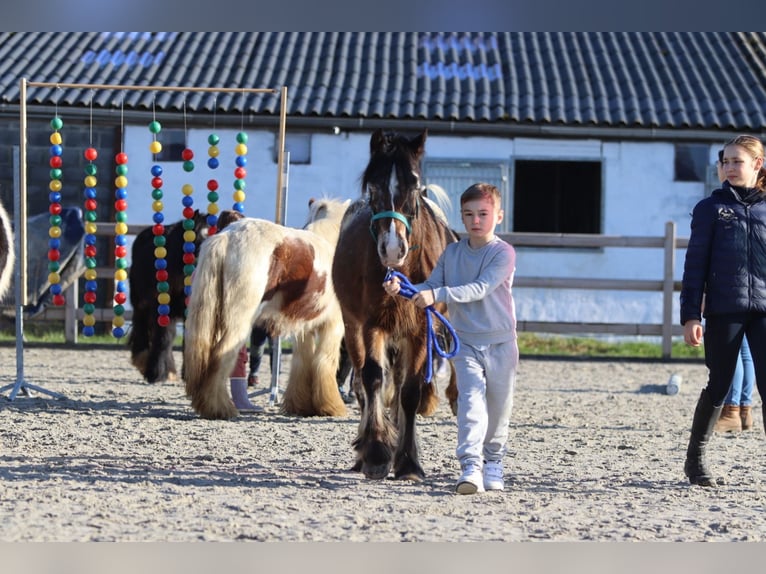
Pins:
x: 120, y: 240
x: 54, y: 197
x: 90, y: 192
x: 90, y: 239
x: 156, y: 170
x: 163, y: 309
x: 118, y: 332
x: 56, y: 289
x: 239, y: 206
x: 160, y: 264
x: 189, y: 247
x: 187, y: 201
x: 56, y: 149
x: 212, y: 220
x: 121, y: 286
x: 54, y: 243
x: 121, y: 193
x: 158, y: 217
x: 88, y: 331
x: 213, y: 163
x: 187, y: 290
x: 91, y: 285
x: 241, y: 160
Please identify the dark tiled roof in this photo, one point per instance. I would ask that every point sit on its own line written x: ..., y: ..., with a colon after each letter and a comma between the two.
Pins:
x: 705, y: 80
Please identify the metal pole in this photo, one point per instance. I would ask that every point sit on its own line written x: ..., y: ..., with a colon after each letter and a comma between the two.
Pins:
x: 276, y: 342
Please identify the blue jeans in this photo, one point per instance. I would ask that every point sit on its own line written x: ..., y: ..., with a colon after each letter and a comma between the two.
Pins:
x: 741, y: 390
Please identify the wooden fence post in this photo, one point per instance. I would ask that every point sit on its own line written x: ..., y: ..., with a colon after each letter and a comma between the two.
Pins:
x: 667, y: 289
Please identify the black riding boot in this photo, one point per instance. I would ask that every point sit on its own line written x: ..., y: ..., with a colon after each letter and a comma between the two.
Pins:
x: 705, y: 417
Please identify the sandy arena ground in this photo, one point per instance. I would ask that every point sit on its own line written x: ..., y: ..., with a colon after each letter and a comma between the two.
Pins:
x: 596, y: 454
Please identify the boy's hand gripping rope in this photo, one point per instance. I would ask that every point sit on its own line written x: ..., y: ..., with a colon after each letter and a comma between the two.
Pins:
x: 407, y: 289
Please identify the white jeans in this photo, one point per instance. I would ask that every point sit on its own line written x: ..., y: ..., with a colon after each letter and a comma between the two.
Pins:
x: 486, y: 376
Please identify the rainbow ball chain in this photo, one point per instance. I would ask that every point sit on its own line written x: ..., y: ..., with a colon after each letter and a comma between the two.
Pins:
x: 120, y: 244
x: 91, y: 216
x: 240, y: 173
x: 54, y: 198
x: 190, y: 236
x: 212, y: 185
x: 160, y: 252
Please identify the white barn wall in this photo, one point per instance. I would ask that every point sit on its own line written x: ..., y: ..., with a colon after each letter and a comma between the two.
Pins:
x: 639, y: 197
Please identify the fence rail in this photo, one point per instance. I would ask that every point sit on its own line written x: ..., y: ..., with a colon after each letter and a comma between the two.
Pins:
x: 667, y: 285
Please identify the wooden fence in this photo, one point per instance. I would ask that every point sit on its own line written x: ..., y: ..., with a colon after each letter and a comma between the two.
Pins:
x: 666, y: 284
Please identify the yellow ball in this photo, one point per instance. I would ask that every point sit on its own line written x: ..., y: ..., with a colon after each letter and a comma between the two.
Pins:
x: 212, y: 151
x: 160, y: 253
x: 187, y: 189
x: 54, y: 232
x: 90, y: 275
x: 121, y: 228
x: 120, y: 275
x: 121, y: 181
x: 54, y: 278
x: 241, y: 149
x: 56, y: 138
x: 90, y: 227
x: 188, y: 280
x: 239, y: 195
x: 163, y: 298
x: 90, y: 181
x: 88, y: 320
x: 118, y: 321
x: 212, y: 208
x: 155, y: 147
x: 157, y: 205
x: 189, y: 236
x: 55, y: 185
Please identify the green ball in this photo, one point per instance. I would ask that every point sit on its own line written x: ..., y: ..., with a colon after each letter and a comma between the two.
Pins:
x: 156, y: 193
x: 56, y: 173
x: 55, y: 220
x: 121, y: 217
x: 91, y: 216
x: 118, y: 310
x: 188, y: 165
x: 159, y: 240
x: 239, y: 184
x: 188, y: 269
x: 121, y: 169
x: 188, y: 224
x: 57, y: 123
x: 155, y: 127
x: 91, y: 169
x: 242, y: 138
x: 163, y: 286
x: 213, y: 139
x: 53, y: 266
x: 121, y: 263
x: 90, y: 262
x: 89, y: 308
x: 212, y: 197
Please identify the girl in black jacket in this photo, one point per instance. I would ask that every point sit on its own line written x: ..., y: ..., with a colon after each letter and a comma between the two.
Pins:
x: 726, y: 262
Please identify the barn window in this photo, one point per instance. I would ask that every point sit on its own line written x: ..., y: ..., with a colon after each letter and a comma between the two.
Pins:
x: 556, y: 196
x: 297, y: 145
x: 173, y: 144
x: 691, y: 162
x: 454, y: 176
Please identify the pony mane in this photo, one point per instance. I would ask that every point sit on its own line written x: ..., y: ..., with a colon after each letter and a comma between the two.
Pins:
x: 440, y: 204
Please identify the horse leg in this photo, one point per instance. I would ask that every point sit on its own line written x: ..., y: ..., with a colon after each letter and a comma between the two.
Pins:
x: 157, y: 361
x: 375, y: 443
x: 407, y: 460
x: 325, y: 394
x: 138, y: 340
x: 296, y: 399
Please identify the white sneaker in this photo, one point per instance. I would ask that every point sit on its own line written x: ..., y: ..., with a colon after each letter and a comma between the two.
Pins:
x: 470, y: 482
x: 493, y: 475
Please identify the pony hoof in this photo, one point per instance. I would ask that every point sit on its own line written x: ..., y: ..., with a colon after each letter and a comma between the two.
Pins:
x: 411, y: 476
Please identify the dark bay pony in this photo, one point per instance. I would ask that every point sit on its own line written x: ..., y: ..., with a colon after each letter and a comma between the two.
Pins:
x: 151, y: 345
x: 7, y: 252
x: 392, y: 225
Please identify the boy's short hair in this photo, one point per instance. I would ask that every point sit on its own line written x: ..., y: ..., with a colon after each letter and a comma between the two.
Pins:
x: 482, y: 191
x: 720, y: 156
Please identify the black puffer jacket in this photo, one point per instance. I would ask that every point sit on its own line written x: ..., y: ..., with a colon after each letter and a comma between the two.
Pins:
x: 726, y: 257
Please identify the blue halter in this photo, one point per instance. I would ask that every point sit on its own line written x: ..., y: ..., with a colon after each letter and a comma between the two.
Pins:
x: 408, y: 290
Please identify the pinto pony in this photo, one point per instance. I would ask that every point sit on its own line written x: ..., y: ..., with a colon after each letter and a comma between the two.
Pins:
x: 393, y: 225
x: 7, y: 252
x: 151, y: 345
x: 259, y: 272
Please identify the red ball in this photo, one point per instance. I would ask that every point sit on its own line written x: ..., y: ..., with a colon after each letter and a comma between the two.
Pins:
x: 59, y: 300
x: 163, y: 320
x: 188, y: 212
x: 90, y: 154
x: 91, y: 205
x: 212, y: 184
x: 156, y: 182
x: 120, y: 251
x: 90, y: 251
x: 240, y: 173
x: 55, y: 209
x: 188, y: 258
x: 187, y: 154
x: 54, y: 255
x: 212, y: 230
x: 121, y: 205
x: 121, y: 158
x: 161, y: 275
x: 89, y: 297
x: 56, y: 161
x: 120, y: 298
x: 158, y: 228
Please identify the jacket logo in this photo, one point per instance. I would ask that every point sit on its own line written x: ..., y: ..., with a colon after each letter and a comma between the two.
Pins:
x: 726, y: 214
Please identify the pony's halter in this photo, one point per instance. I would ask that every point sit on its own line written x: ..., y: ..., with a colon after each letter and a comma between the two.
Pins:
x: 393, y: 215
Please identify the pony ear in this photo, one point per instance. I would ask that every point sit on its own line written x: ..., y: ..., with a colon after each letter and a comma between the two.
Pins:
x: 377, y: 141
x: 418, y: 143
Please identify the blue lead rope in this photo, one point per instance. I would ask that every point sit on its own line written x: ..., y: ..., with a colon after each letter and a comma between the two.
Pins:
x: 407, y: 289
